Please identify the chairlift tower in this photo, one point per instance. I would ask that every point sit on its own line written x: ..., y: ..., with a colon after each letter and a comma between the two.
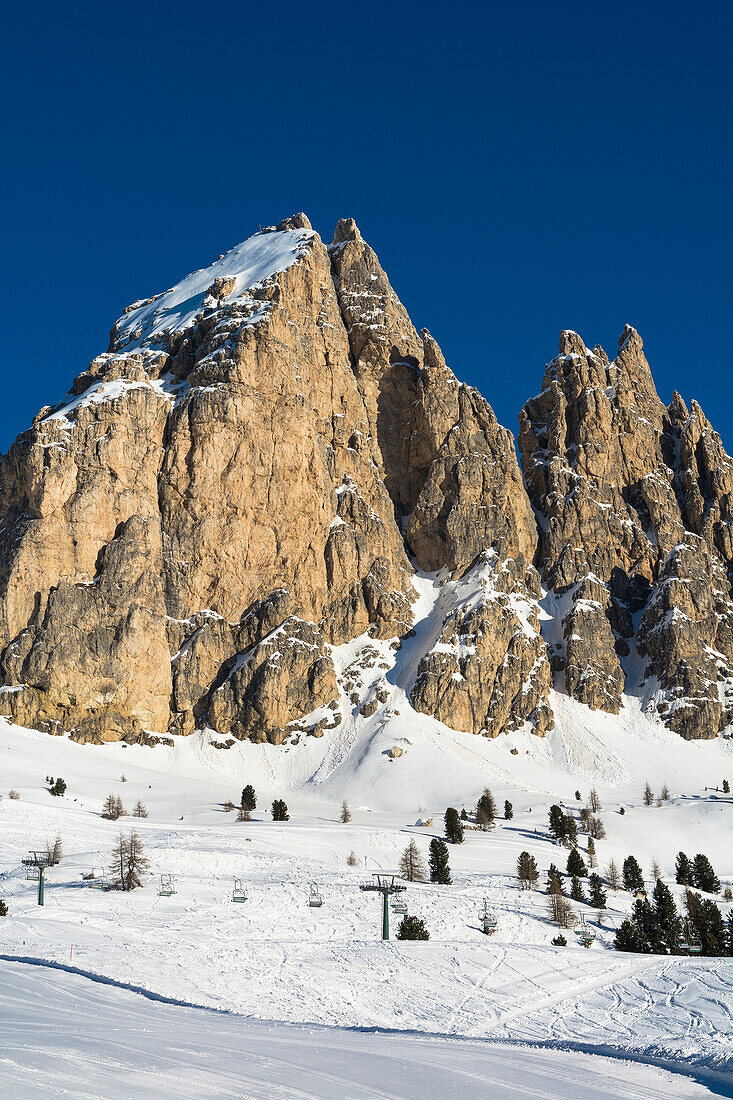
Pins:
x: 39, y: 860
x: 386, y: 884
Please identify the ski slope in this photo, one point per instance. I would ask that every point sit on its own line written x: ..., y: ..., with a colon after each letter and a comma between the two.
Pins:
x: 63, y: 1033
x: 275, y: 959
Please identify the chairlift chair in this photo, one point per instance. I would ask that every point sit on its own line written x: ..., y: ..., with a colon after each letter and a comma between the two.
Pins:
x: 488, y: 919
x: 32, y: 874
x: 239, y: 893
x: 315, y: 901
x: 585, y: 934
x: 166, y: 887
x: 399, y: 905
x: 690, y: 942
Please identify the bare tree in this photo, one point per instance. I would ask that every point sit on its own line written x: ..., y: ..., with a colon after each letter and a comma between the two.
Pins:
x: 345, y: 813
x: 648, y: 795
x: 129, y: 862
x: 561, y: 911
x: 594, y: 802
x: 245, y: 814
x: 12, y: 793
x: 352, y: 860
x: 54, y: 850
x: 664, y: 793
x: 613, y: 875
x: 412, y: 864
x: 596, y: 828
x: 592, y: 861
x: 140, y: 809
x: 656, y: 871
x: 109, y: 809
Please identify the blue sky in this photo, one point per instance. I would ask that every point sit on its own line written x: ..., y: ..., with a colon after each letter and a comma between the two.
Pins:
x: 519, y: 168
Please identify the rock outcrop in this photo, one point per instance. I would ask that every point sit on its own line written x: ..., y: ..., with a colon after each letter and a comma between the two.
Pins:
x: 251, y: 474
x: 621, y: 484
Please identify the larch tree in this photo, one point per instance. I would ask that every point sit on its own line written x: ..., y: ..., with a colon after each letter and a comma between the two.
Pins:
x: 129, y: 862
x: 412, y: 864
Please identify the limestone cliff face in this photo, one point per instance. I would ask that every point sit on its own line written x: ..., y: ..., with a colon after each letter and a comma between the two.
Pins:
x: 633, y: 503
x: 252, y: 473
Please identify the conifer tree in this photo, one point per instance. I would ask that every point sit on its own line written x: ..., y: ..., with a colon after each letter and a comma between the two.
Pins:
x: 345, y: 813
x: 557, y: 818
x: 249, y: 798
x: 508, y: 810
x: 683, y: 870
x: 726, y: 787
x: 656, y: 871
x: 594, y: 802
x: 412, y: 928
x: 129, y: 862
x: 648, y: 795
x: 561, y: 911
x: 664, y: 793
x: 596, y: 893
x: 464, y: 815
x: 486, y: 809
x: 576, y: 866
x: 627, y: 937
x: 527, y: 872
x: 710, y: 928
x: 632, y: 877
x: 412, y: 864
x: 570, y: 829
x: 280, y: 811
x: 576, y: 889
x: 352, y: 860
x: 3, y: 908
x: 453, y: 826
x: 578, y: 795
x: 438, y: 862
x: 140, y: 809
x: 703, y: 875
x: 554, y: 880
x: 596, y: 828
x: 592, y: 861
x: 667, y: 926
x: 613, y: 877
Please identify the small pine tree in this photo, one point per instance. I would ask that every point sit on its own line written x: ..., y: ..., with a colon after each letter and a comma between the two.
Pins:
x: 632, y: 877
x: 703, y: 875
x: 249, y: 798
x: 119, y: 807
x: 554, y: 880
x: 559, y: 941
x: 345, y: 813
x: 726, y: 787
x: 123, y: 779
x: 627, y: 937
x: 3, y: 909
x: 412, y: 928
x: 486, y: 809
x: 527, y: 872
x: 508, y: 810
x: 129, y: 862
x: 280, y: 811
x: 570, y: 830
x: 12, y: 793
x: 596, y: 893
x: 727, y: 893
x: 666, y: 929
x: 664, y: 793
x: 683, y: 870
x: 109, y: 809
x: 594, y: 802
x: 352, y: 860
x: 557, y: 820
x: 592, y: 861
x: 576, y: 866
x: 656, y: 871
x: 58, y: 788
x: 621, y: 810
x: 578, y: 795
x: 576, y: 889
x: 412, y: 864
x: 453, y: 826
x: 648, y: 795
x: 613, y: 877
x: 464, y: 815
x: 438, y: 861
x: 140, y: 809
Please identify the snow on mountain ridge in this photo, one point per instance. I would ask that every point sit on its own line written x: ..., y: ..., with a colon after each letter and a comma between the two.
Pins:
x: 249, y: 264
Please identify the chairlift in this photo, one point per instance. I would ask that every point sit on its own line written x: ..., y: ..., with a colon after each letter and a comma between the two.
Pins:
x: 167, y: 886
x: 585, y: 934
x: 99, y: 882
x: 399, y: 905
x: 315, y: 900
x: 690, y: 942
x: 488, y: 919
x: 239, y: 893
x: 32, y: 874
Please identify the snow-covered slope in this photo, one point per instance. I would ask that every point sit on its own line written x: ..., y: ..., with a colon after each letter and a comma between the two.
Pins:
x: 248, y: 265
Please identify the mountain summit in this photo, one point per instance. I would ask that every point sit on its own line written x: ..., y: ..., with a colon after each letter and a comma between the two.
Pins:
x: 238, y: 514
